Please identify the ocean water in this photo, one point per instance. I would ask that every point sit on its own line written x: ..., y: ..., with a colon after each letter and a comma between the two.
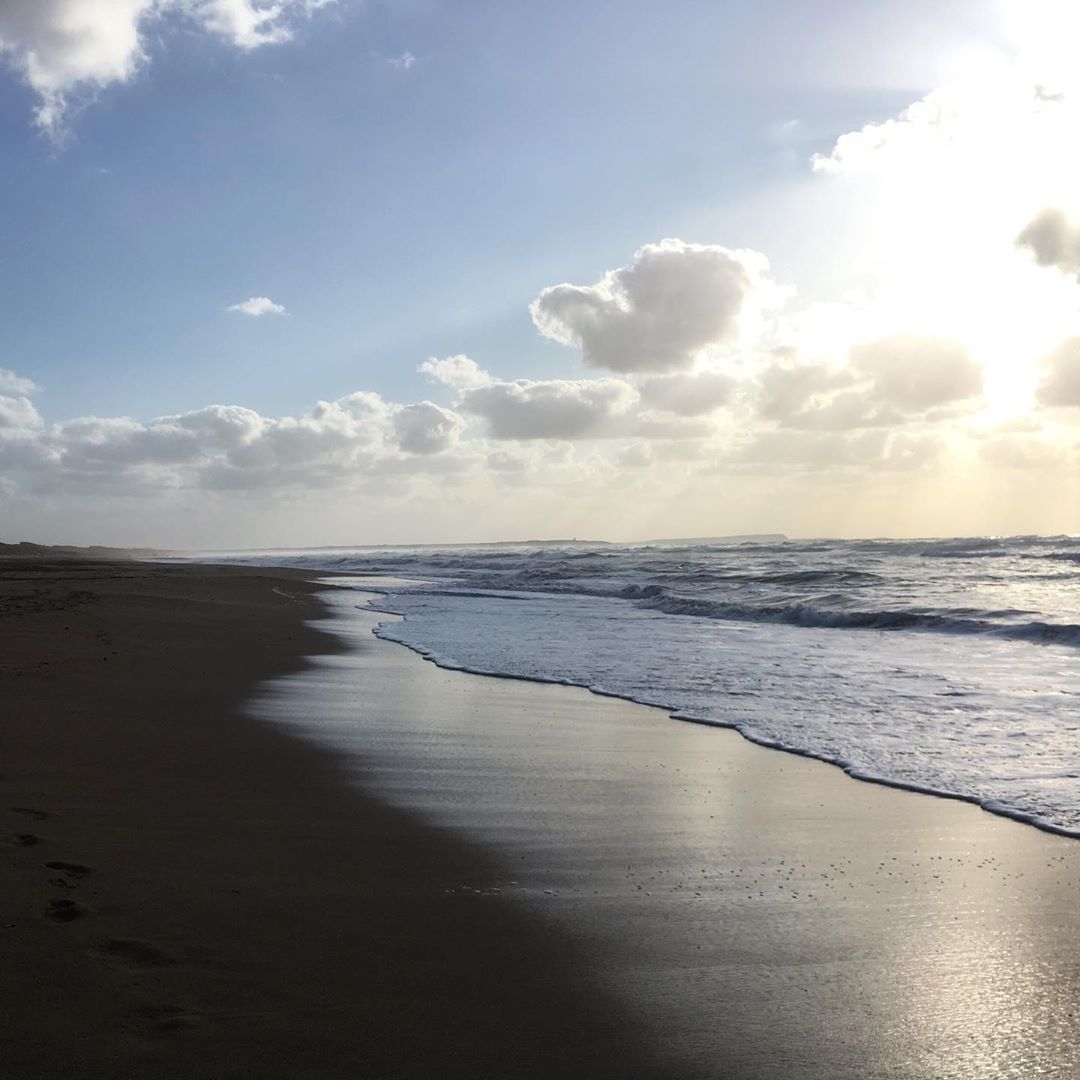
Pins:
x: 946, y: 666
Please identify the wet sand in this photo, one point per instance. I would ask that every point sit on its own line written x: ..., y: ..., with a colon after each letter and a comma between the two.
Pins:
x: 186, y: 892
x: 753, y: 914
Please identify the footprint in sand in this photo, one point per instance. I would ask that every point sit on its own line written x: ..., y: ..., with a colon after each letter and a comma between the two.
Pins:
x: 24, y: 839
x: 28, y: 811
x: 165, y: 1018
x: 64, y: 910
x: 72, y: 870
x: 134, y: 951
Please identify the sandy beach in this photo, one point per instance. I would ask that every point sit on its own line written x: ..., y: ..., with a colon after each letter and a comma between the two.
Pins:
x: 189, y: 893
x: 224, y: 860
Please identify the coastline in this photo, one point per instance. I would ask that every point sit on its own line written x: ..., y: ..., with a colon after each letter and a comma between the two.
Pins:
x: 300, y: 851
x: 395, y: 629
x: 990, y: 806
x: 759, y: 912
x: 190, y: 893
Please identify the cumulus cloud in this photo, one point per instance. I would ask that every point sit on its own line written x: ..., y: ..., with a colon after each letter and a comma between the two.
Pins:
x: 551, y: 409
x: 256, y: 306
x: 915, y: 374
x: 1054, y: 240
x: 688, y: 395
x: 347, y: 441
x: 66, y: 48
x: 887, y: 382
x: 1061, y: 379
x: 426, y: 428
x: 461, y: 372
x: 659, y: 313
x: 570, y: 409
x: 923, y: 127
x: 17, y: 414
x: 11, y: 383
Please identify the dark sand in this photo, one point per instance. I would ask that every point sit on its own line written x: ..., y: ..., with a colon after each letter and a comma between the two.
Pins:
x: 185, y: 892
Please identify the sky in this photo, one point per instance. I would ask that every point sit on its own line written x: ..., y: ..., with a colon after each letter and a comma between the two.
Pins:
x: 337, y: 272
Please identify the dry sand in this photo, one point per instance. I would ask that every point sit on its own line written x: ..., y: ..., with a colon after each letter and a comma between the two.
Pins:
x: 471, y: 877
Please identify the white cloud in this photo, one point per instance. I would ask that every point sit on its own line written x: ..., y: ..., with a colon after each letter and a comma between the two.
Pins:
x: 813, y: 451
x: 639, y: 455
x: 659, y: 313
x: 688, y: 395
x: 1023, y: 452
x: 426, y: 428
x: 1054, y: 240
x: 915, y: 374
x: 887, y: 382
x: 461, y: 372
x: 936, y: 197
x: 403, y: 62
x: 572, y: 409
x: 552, y: 409
x: 244, y: 23
x: 343, y: 443
x: 923, y: 128
x: 256, y: 306
x: 11, y: 383
x: 17, y: 414
x: 66, y: 49
x: 1061, y: 380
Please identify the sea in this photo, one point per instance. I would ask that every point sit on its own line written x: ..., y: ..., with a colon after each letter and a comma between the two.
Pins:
x: 950, y: 667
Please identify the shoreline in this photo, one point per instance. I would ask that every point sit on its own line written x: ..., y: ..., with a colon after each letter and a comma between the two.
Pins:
x: 191, y: 893
x: 989, y: 806
x: 757, y: 914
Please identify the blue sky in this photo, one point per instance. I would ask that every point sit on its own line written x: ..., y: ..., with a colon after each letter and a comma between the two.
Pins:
x: 405, y: 177
x: 396, y: 213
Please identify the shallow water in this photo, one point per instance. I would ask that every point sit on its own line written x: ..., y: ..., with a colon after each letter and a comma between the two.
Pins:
x: 945, y: 666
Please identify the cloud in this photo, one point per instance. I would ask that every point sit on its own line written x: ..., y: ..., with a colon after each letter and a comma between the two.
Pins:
x: 569, y: 409
x: 887, y: 382
x: 922, y: 128
x: 1054, y: 240
x: 813, y: 451
x: 1061, y: 380
x: 659, y: 313
x: 552, y: 409
x: 639, y: 455
x: 256, y: 306
x: 688, y: 395
x: 426, y: 428
x: 461, y: 372
x: 68, y: 49
x: 17, y: 414
x: 10, y: 383
x: 245, y: 23
x: 790, y: 389
x: 1022, y: 452
x: 915, y: 374
x: 347, y: 443
x: 403, y: 62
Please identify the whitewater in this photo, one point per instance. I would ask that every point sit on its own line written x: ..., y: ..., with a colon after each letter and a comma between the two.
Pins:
x: 946, y: 666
